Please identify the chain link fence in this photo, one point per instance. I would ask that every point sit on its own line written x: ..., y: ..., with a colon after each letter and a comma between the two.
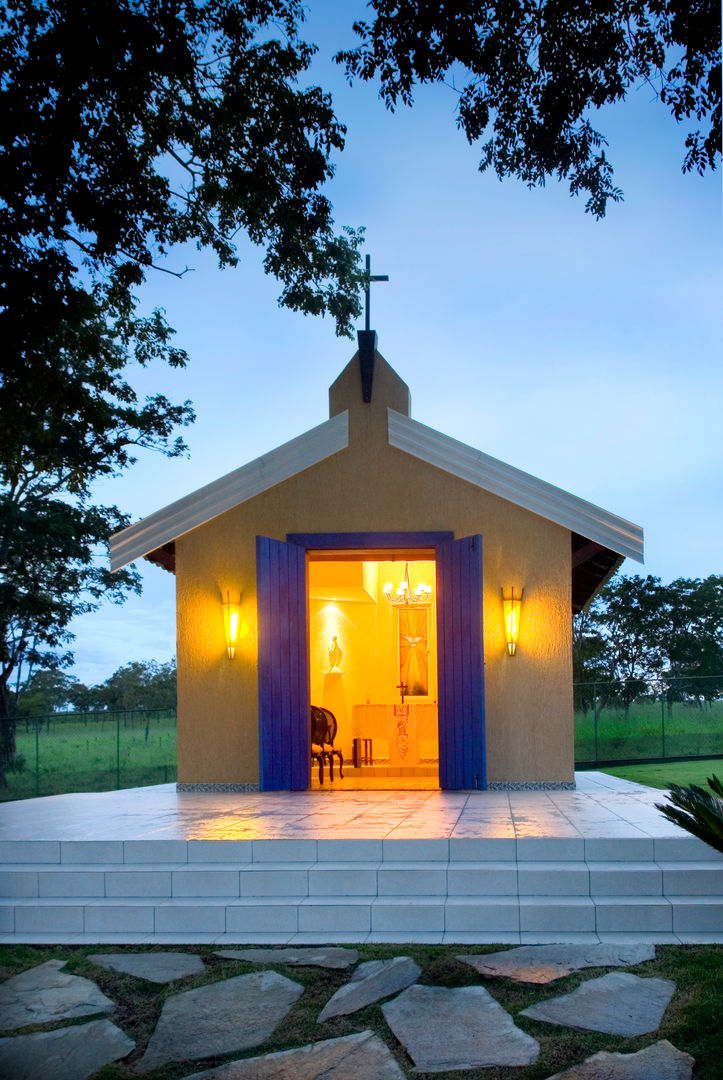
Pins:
x: 622, y: 722
x: 630, y: 721
x: 93, y: 751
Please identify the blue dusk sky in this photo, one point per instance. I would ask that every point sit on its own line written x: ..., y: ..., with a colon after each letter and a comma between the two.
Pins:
x: 585, y: 352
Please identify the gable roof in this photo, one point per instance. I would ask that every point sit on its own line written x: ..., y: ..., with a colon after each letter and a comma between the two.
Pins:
x: 518, y: 487
x: 236, y: 487
x: 600, y: 540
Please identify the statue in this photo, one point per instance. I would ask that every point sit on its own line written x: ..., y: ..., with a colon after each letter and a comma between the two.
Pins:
x: 335, y: 655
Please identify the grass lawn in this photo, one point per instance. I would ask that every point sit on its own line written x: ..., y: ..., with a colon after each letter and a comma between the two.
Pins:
x: 95, y: 753
x: 691, y: 1021
x: 671, y: 772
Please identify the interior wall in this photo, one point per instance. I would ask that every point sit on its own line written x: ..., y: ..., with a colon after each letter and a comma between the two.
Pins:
x: 367, y: 630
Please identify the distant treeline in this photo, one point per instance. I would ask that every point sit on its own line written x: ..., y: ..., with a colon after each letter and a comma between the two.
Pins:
x: 640, y: 637
x: 138, y: 685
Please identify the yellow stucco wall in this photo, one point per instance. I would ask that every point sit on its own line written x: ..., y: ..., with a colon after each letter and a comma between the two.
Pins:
x: 372, y: 487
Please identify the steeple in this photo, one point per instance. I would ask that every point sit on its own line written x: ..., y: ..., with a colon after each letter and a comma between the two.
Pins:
x: 367, y: 338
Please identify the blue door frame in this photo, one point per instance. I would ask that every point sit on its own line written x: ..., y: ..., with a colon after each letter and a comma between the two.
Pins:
x: 283, y: 652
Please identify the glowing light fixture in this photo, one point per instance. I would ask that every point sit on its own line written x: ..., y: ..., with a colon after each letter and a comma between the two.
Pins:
x: 405, y: 594
x: 230, y: 621
x: 511, y: 602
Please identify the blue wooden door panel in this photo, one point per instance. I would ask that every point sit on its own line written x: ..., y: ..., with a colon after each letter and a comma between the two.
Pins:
x: 283, y: 687
x: 460, y: 664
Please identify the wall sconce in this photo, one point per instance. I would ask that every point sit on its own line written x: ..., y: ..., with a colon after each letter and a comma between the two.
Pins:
x: 511, y: 601
x: 230, y: 622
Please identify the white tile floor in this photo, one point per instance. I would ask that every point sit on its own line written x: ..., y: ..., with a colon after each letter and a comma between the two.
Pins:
x: 602, y: 809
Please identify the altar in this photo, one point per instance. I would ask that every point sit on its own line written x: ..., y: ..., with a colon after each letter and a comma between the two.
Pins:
x: 402, y: 736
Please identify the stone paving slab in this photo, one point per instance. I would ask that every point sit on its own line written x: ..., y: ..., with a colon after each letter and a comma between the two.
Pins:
x: 354, y: 1057
x: 465, y: 1028
x: 334, y: 958
x: 371, y: 982
x: 155, y: 967
x: 69, y: 1053
x: 661, y: 1061
x: 45, y: 993
x: 618, y: 1004
x: 546, y: 963
x: 220, y: 1018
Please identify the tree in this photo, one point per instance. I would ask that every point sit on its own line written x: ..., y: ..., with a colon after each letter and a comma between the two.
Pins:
x: 46, y: 691
x: 691, y: 638
x: 625, y: 617
x: 638, y: 632
x: 536, y: 72
x: 127, y: 127
x: 142, y: 685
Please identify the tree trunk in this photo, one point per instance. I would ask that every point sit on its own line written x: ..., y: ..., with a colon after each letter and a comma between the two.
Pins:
x: 7, y: 734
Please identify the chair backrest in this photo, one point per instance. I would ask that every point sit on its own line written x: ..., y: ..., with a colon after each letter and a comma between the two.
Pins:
x: 323, y: 726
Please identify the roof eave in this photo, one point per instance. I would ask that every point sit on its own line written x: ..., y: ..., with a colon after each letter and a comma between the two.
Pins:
x: 208, y: 502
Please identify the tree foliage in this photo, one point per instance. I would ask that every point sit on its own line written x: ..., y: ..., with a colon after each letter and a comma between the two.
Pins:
x: 141, y: 684
x: 639, y: 634
x: 128, y: 127
x: 533, y: 73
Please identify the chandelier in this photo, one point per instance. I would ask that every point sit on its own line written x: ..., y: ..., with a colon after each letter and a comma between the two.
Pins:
x: 405, y: 594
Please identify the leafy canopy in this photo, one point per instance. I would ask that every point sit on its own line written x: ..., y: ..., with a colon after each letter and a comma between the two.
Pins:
x: 128, y: 127
x: 533, y: 71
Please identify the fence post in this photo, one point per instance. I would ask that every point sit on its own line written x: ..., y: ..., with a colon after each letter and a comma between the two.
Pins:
x: 662, y: 724
x: 594, y: 702
x: 117, y: 752
x: 37, y: 758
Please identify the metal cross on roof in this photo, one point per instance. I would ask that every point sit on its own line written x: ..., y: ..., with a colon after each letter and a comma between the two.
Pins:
x: 370, y: 277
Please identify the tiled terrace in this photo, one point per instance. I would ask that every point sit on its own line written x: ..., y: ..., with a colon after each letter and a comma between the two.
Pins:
x: 154, y: 864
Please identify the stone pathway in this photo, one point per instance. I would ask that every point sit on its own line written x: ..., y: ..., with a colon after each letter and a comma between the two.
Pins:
x: 220, y: 1018
x: 464, y: 1028
x: 354, y: 1057
x: 69, y: 1053
x: 371, y: 982
x: 545, y: 963
x: 156, y: 967
x: 661, y: 1061
x: 45, y: 994
x: 618, y: 1004
x: 334, y: 958
x: 440, y: 1028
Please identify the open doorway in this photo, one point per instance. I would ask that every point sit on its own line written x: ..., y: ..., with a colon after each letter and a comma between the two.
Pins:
x: 373, y: 666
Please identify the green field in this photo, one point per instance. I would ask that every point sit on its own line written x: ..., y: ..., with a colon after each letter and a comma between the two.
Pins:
x: 669, y: 772
x: 649, y: 730
x: 102, y: 751
x: 98, y: 753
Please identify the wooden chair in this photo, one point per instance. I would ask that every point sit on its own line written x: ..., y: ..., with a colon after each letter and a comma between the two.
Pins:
x: 323, y: 732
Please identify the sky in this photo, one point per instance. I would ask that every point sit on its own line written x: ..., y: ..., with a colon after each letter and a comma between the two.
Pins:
x: 585, y: 352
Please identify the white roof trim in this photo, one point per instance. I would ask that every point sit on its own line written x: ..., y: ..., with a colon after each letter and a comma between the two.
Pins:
x: 516, y: 486
x: 236, y: 487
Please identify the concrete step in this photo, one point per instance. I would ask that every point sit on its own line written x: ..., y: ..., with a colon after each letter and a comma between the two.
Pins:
x: 363, y: 914
x: 406, y: 879
x: 680, y: 849
x: 348, y: 889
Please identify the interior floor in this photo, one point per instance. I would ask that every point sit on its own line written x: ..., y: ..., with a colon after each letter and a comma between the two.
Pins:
x: 375, y: 783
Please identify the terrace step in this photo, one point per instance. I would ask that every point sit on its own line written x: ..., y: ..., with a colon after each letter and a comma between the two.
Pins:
x: 350, y: 889
x: 201, y: 881
x: 361, y: 915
